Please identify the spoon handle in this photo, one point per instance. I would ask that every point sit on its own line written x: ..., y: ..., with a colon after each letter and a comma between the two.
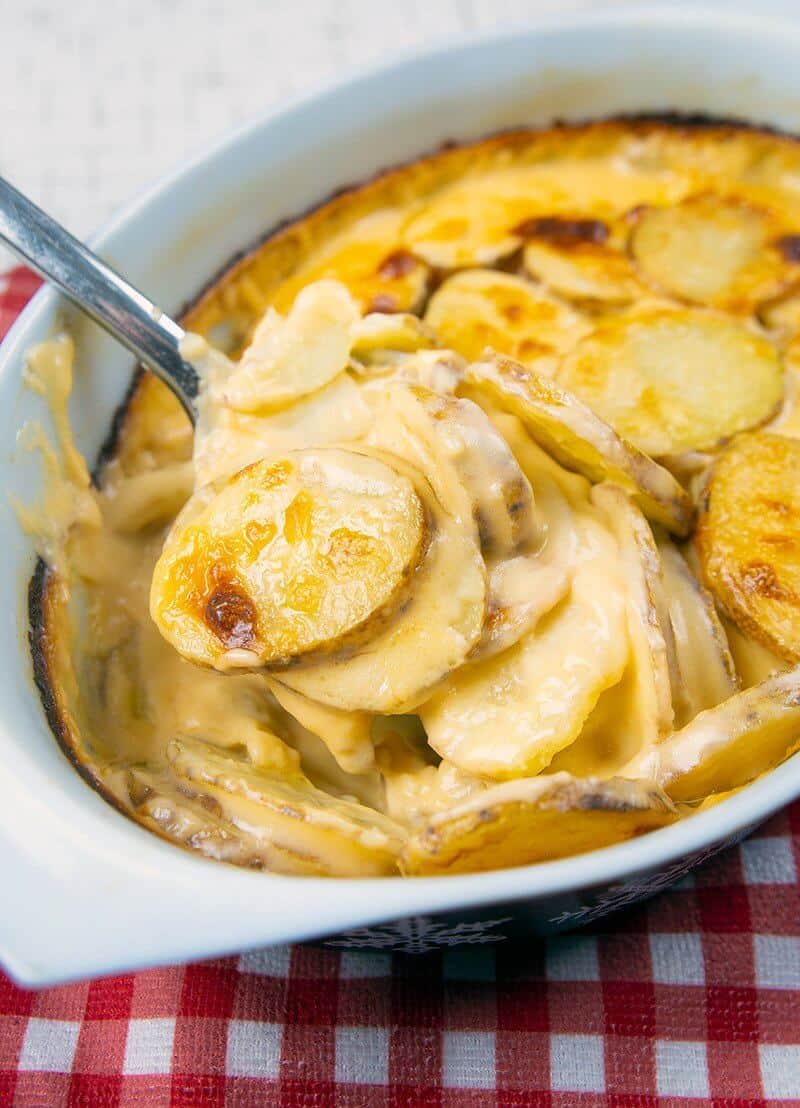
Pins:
x: 116, y: 305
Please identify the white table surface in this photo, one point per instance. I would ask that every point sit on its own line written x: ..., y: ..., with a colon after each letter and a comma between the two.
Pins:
x: 99, y: 97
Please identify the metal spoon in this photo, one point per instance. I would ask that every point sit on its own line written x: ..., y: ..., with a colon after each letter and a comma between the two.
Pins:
x: 96, y: 288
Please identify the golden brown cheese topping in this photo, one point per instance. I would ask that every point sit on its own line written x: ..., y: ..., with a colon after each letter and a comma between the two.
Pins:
x: 484, y: 550
x: 288, y: 558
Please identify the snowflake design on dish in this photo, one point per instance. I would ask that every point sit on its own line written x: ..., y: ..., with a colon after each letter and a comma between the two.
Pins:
x: 421, y: 934
x: 620, y: 896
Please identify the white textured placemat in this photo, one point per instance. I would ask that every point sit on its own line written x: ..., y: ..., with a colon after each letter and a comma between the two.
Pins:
x: 99, y: 97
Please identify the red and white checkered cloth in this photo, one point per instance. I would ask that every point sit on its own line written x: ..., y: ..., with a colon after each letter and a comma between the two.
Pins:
x: 690, y: 999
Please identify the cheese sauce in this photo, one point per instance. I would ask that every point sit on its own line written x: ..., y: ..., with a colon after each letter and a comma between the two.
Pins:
x: 497, y: 717
x: 504, y: 637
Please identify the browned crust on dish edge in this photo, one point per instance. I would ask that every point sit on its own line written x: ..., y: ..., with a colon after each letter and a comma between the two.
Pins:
x: 644, y: 121
x: 42, y: 585
x: 41, y: 620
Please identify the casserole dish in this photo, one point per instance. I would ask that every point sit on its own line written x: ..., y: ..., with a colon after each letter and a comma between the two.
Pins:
x: 89, y: 892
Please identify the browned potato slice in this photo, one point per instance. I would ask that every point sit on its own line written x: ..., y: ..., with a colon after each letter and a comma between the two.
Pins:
x: 654, y: 658
x: 466, y: 224
x: 535, y: 820
x: 481, y: 219
x: 365, y: 258
x: 748, y: 539
x: 428, y: 637
x: 288, y: 358
x: 729, y: 745
x: 672, y: 381
x: 335, y: 836
x: 707, y: 674
x: 589, y: 272
x: 483, y: 308
x: 582, y: 259
x: 581, y: 440
x: 715, y: 250
x: 291, y: 556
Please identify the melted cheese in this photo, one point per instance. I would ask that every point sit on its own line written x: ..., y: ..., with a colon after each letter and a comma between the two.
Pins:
x: 522, y: 644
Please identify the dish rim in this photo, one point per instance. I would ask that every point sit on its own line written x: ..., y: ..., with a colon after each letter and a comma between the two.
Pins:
x: 730, y: 818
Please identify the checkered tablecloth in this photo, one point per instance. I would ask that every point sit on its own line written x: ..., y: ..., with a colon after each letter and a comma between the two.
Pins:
x: 690, y: 999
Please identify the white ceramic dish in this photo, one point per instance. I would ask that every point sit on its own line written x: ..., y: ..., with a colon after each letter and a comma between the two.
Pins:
x: 86, y: 891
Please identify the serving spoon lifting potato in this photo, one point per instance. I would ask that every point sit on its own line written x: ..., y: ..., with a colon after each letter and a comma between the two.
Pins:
x: 100, y: 291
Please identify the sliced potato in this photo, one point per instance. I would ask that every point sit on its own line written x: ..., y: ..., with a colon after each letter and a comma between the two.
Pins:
x: 782, y: 315
x: 714, y: 800
x: 591, y: 272
x: 654, y: 658
x: 579, y: 439
x: 295, y: 555
x: 637, y: 711
x: 467, y: 223
x: 438, y: 370
x: 335, y: 836
x: 484, y: 308
x: 672, y: 381
x: 729, y: 745
x: 787, y: 421
x: 754, y: 663
x: 582, y: 259
x: 292, y: 357
x: 611, y: 735
x: 348, y: 735
x: 535, y: 820
x: 380, y: 336
x: 482, y: 218
x: 231, y: 440
x: 689, y: 468
x: 380, y: 276
x: 194, y: 823
x: 522, y: 591
x: 524, y: 588
x: 716, y: 250
x: 706, y: 668
x: 469, y: 464
x: 147, y: 499
x: 430, y: 636
x: 748, y: 539
x: 509, y: 715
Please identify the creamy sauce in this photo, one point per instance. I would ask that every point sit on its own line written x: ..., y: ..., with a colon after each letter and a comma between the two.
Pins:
x: 524, y: 642
x: 67, y: 498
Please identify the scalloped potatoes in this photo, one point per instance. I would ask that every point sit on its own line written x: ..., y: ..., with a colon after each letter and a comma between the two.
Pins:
x: 410, y: 600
